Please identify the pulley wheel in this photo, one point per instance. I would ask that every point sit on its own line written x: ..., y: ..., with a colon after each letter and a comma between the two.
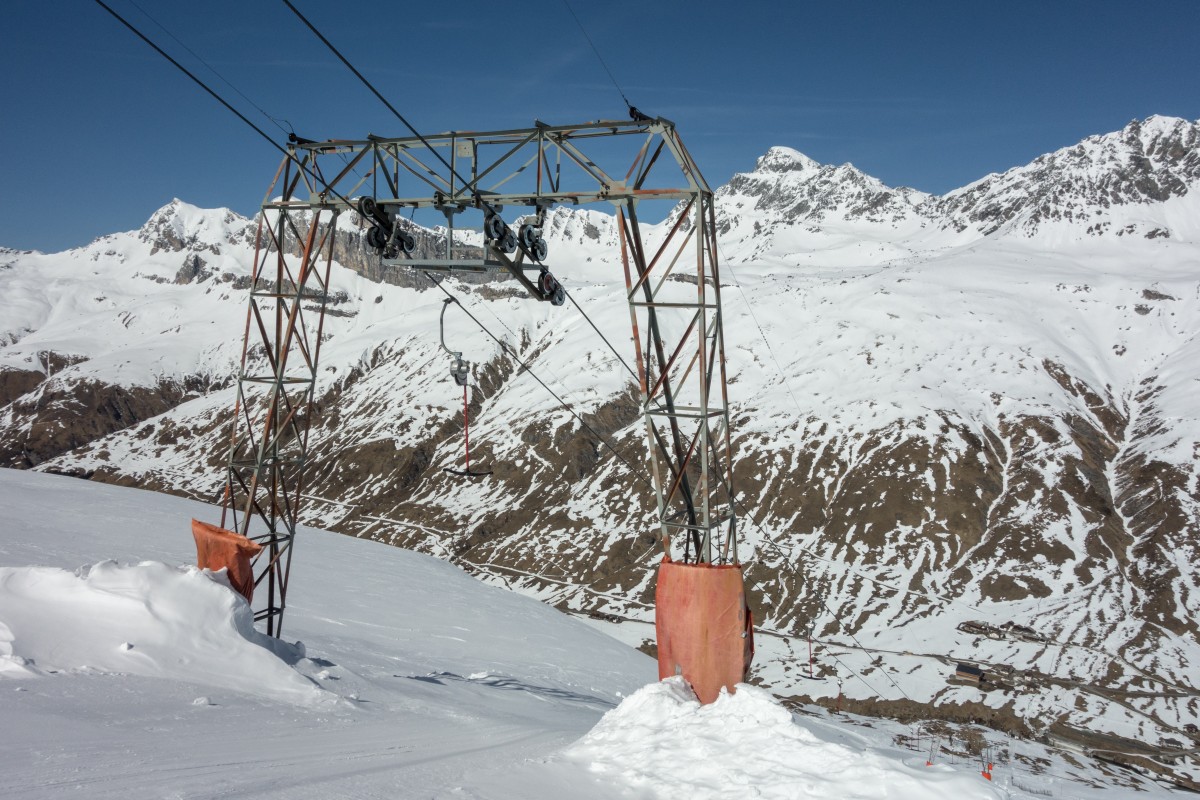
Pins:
x: 376, y: 238
x: 406, y: 242
x: 529, y: 236
x: 508, y: 243
x: 539, y: 250
x: 494, y: 227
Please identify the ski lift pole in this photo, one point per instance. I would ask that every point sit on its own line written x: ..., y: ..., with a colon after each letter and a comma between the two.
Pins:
x: 466, y: 430
x: 461, y: 371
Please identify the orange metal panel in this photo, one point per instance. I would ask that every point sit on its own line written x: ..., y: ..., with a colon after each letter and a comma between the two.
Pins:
x: 703, y: 625
x: 217, y: 548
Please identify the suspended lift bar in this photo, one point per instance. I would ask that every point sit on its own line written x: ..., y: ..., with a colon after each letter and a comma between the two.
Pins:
x: 460, y: 371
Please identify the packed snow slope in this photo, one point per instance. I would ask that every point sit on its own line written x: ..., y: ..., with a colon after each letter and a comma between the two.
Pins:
x: 964, y: 424
x: 144, y: 678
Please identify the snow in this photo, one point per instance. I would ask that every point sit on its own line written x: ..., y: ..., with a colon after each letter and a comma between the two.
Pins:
x: 141, y: 678
x: 420, y: 681
x: 143, y: 619
x: 747, y: 745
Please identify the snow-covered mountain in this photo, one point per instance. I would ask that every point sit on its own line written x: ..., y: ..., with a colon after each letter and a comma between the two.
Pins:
x: 964, y: 423
x: 1134, y: 182
x: 1127, y: 183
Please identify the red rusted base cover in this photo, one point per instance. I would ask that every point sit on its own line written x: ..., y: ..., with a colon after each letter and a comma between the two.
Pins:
x: 217, y: 548
x: 703, y: 625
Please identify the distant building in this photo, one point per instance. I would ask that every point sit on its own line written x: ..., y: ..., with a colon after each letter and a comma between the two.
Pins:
x: 969, y: 673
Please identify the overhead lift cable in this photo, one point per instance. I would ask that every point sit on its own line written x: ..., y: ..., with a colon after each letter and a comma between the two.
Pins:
x: 503, y: 345
x: 213, y: 70
x: 599, y: 57
x: 507, y: 348
x: 203, y: 86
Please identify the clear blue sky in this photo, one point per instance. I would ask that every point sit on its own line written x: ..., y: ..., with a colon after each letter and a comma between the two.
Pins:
x: 97, y: 131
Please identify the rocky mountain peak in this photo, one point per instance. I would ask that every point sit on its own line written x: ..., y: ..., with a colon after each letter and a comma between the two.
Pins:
x: 1167, y: 143
x: 180, y: 226
x: 789, y: 188
x: 785, y: 159
x: 1145, y: 162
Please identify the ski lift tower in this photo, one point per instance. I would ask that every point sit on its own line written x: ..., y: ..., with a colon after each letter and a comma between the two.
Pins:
x: 504, y: 183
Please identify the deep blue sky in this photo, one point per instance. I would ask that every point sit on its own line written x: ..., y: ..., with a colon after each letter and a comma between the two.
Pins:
x: 97, y: 131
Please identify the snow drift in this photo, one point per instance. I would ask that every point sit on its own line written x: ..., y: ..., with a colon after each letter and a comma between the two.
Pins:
x: 145, y: 619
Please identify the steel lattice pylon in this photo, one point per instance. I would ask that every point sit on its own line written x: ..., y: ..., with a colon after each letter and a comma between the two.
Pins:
x: 281, y: 347
x: 671, y: 277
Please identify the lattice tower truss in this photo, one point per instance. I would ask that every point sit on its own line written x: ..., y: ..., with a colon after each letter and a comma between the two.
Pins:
x: 500, y: 182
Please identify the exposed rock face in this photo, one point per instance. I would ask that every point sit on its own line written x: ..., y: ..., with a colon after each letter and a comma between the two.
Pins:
x: 59, y: 416
x: 17, y: 382
x: 193, y: 269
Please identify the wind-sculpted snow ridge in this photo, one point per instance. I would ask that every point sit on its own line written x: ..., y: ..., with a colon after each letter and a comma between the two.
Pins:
x: 746, y: 744
x: 955, y: 442
x: 143, y: 619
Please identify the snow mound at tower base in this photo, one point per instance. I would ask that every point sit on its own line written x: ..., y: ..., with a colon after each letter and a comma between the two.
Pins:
x: 746, y: 744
